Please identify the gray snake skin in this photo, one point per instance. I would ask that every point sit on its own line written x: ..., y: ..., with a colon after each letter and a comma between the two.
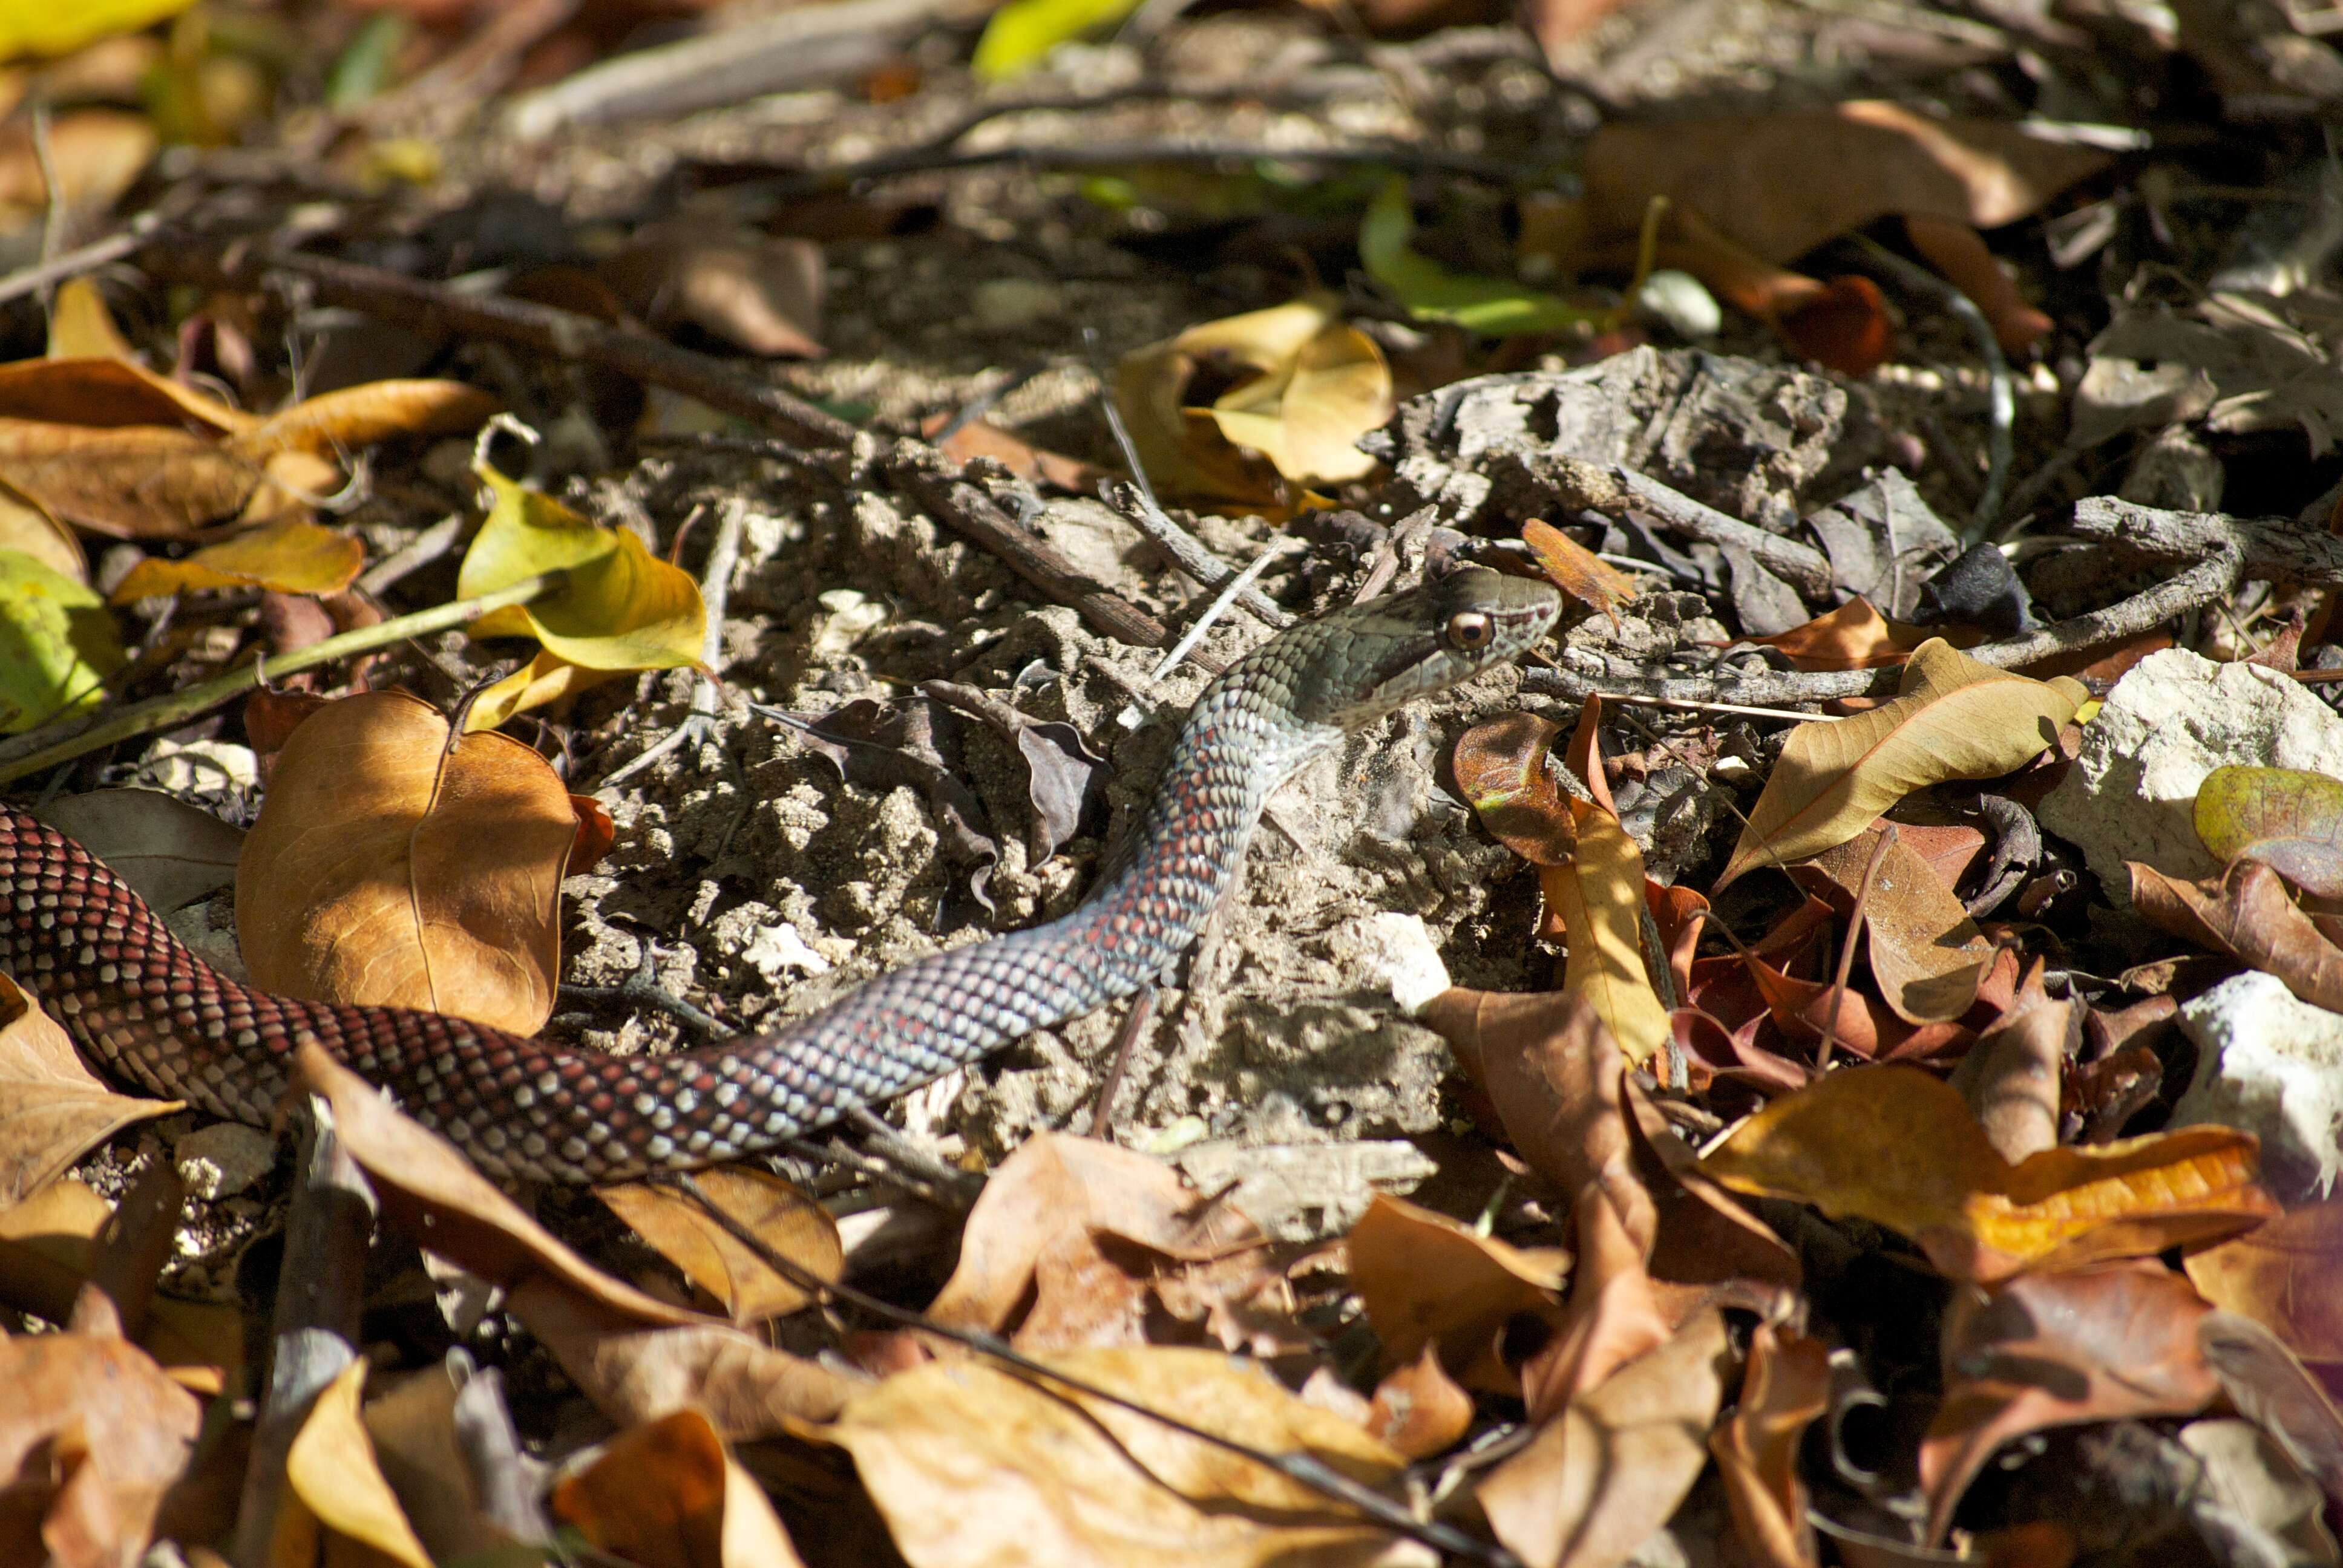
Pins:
x: 103, y: 964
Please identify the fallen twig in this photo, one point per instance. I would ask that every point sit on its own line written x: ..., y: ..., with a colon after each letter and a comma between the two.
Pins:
x: 1187, y: 551
x: 919, y: 470
x: 1614, y: 489
x: 52, y: 744
x: 2201, y: 584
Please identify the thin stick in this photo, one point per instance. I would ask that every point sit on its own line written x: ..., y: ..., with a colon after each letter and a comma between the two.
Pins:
x: 1221, y: 602
x: 178, y: 706
x: 1788, y: 714
x: 1847, y: 949
x: 2001, y: 399
x: 82, y: 259
x: 1187, y: 551
x: 1303, y: 1470
x: 1126, y: 1042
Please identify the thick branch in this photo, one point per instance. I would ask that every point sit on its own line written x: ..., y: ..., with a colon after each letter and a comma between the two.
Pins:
x: 2277, y: 550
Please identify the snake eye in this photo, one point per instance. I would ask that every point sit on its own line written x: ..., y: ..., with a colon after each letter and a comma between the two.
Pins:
x: 1470, y: 630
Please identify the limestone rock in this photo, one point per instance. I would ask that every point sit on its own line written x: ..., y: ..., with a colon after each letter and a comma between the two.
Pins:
x: 2271, y: 1065
x: 2173, y: 718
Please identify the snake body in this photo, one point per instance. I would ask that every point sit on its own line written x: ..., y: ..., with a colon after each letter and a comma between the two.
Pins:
x: 133, y: 997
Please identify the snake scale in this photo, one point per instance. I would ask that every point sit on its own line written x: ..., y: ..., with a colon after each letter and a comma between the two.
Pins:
x: 135, y: 999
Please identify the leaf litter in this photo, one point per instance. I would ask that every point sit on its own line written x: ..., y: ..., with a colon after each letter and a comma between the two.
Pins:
x: 1576, y: 1329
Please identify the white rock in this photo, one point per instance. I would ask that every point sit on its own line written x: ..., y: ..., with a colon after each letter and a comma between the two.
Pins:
x: 224, y: 1158
x: 776, y: 948
x: 2272, y: 1065
x: 1684, y: 302
x: 1399, y: 950
x: 2173, y: 718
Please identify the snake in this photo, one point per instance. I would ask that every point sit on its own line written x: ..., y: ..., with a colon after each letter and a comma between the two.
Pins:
x: 141, y: 1004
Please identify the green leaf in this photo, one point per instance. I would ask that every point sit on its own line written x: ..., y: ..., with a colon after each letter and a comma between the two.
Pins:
x: 57, y: 643
x: 622, y: 608
x: 1022, y: 31
x: 1492, y: 306
x: 2290, y: 820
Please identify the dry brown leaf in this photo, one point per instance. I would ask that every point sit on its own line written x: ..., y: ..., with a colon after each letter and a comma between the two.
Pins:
x: 290, y: 556
x: 91, y: 1436
x: 25, y: 526
x: 1613, y: 1317
x: 1955, y: 718
x: 2286, y: 1275
x: 1046, y: 1255
x: 53, y: 1109
x: 333, y: 423
x: 788, y: 1222
x: 49, y: 1249
x: 636, y: 1357
x: 758, y: 293
x: 133, y: 481
x: 423, y: 1429
x: 1852, y: 636
x: 1958, y: 252
x: 667, y: 1494
x: 2272, y: 1388
x: 1427, y: 1279
x: 101, y: 393
x: 1552, y: 1069
x: 1785, y: 1388
x: 1781, y: 184
x: 432, y: 1193
x: 1577, y: 571
x: 1978, y: 1217
x: 971, y: 1465
x: 2246, y: 914
x: 2110, y: 1343
x: 339, y: 1488
x: 97, y: 154
x: 1419, y: 1409
x: 2011, y: 1076
x: 982, y: 439
x: 1706, y: 1240
x: 1925, y: 953
x: 170, y: 853
x: 1598, y: 1479
x: 389, y: 869
x: 1504, y: 770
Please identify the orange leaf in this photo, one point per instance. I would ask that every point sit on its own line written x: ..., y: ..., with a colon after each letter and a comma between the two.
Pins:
x: 1577, y: 571
x: 1852, y: 636
x: 1977, y: 1216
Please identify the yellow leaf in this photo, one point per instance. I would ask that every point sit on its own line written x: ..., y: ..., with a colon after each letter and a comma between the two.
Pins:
x: 790, y: 1223
x: 1308, y: 387
x: 57, y: 643
x: 46, y: 28
x: 1956, y: 718
x: 622, y: 608
x: 26, y: 525
x: 332, y: 1471
x: 80, y: 327
x: 1022, y: 31
x: 544, y: 681
x: 1901, y: 1149
x: 293, y: 555
x: 361, y: 416
x: 1602, y: 907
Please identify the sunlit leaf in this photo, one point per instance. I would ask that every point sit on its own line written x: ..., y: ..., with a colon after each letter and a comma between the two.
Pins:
x: 1492, y: 306
x: 621, y: 608
x: 1956, y: 718
x: 2289, y: 819
x: 31, y: 27
x: 293, y: 555
x: 1022, y: 32
x: 57, y: 643
x: 1977, y: 1216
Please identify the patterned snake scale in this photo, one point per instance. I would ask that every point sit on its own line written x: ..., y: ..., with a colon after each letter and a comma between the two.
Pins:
x: 100, y: 960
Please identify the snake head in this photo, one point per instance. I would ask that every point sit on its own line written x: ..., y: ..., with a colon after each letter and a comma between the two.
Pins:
x: 1357, y: 664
